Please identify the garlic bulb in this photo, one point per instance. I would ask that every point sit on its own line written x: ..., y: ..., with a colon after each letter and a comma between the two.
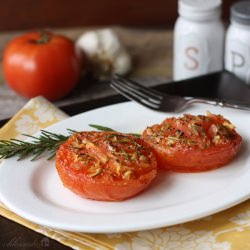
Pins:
x: 105, y: 53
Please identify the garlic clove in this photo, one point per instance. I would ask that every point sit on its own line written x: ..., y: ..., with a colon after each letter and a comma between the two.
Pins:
x: 105, y: 52
x: 109, y: 43
x: 88, y: 43
x: 122, y: 64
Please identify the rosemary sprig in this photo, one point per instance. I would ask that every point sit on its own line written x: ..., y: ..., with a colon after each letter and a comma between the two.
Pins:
x: 46, y: 142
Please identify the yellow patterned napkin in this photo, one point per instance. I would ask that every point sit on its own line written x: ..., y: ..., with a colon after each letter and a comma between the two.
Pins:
x: 228, y: 230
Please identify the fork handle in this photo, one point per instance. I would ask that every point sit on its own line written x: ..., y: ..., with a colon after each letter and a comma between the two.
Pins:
x: 219, y: 102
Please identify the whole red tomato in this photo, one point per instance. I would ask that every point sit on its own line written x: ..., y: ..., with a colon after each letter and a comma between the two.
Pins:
x: 41, y: 64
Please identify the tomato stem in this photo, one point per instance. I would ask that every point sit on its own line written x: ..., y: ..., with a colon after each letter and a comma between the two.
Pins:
x: 44, y: 38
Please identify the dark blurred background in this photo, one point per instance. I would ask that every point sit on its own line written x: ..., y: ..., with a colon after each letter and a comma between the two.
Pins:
x: 32, y: 14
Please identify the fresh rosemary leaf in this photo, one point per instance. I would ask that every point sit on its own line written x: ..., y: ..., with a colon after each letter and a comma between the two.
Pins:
x: 101, y: 128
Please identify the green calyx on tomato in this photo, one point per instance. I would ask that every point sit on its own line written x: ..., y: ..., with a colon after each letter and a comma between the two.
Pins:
x: 44, y: 38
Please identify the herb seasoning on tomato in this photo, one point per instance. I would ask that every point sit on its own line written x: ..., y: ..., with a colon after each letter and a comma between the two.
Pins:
x: 193, y: 143
x: 107, y: 166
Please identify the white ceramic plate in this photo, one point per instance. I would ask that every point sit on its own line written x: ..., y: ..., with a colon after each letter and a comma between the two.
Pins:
x: 34, y: 191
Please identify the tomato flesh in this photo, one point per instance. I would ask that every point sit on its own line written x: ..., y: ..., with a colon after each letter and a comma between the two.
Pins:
x: 106, y: 166
x: 193, y: 143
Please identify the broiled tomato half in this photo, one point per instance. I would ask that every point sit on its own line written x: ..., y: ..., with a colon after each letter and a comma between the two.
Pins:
x: 193, y: 143
x: 106, y: 166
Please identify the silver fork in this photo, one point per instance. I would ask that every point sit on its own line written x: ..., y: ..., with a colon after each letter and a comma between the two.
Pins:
x: 159, y: 101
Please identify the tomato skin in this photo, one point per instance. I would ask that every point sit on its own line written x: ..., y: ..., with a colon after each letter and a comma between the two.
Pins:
x: 193, y: 143
x: 80, y: 158
x: 50, y: 69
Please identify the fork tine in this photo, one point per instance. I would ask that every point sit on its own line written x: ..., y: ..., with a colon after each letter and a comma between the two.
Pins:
x: 148, y: 91
x: 136, y: 91
x: 133, y: 97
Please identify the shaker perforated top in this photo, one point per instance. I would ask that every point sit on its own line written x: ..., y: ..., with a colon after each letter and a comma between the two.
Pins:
x: 240, y: 12
x: 199, y: 9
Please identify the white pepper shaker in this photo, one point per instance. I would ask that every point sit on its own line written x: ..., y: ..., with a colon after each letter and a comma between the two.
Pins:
x: 237, y: 49
x: 198, y: 39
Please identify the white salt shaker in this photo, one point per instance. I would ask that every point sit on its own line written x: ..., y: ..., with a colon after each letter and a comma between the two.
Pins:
x: 237, y: 50
x: 198, y: 39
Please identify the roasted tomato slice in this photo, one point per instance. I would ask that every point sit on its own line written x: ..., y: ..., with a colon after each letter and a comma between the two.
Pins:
x: 106, y: 166
x: 193, y: 143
